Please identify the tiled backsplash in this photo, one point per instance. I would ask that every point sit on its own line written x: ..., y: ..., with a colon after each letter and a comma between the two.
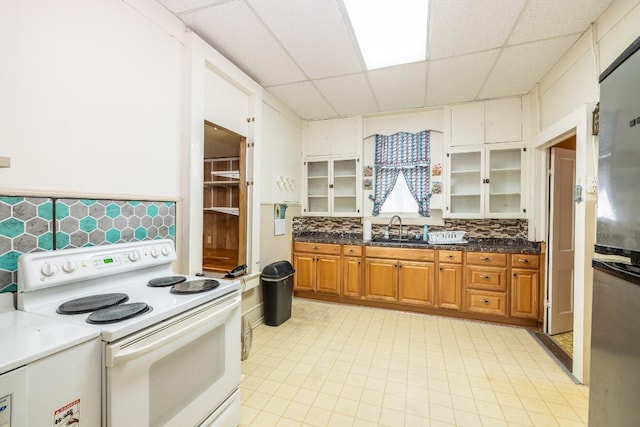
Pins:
x: 31, y: 224
x: 478, y: 228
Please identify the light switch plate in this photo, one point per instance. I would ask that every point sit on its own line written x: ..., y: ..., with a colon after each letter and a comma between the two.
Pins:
x: 5, y: 162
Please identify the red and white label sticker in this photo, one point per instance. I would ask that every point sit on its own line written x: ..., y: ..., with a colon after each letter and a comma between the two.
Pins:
x: 68, y: 415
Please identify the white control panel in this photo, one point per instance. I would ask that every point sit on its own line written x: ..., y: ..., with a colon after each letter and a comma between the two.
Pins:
x: 45, y: 269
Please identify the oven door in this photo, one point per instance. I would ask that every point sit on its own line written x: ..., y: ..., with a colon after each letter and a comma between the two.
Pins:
x: 176, y: 373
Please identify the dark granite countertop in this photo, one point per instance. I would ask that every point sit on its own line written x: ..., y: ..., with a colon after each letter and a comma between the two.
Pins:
x: 474, y: 244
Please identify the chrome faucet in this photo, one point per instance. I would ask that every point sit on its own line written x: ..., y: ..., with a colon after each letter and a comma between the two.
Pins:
x: 399, y: 229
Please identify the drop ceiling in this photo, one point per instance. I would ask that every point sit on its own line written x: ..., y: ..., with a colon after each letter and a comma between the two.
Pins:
x: 305, y: 54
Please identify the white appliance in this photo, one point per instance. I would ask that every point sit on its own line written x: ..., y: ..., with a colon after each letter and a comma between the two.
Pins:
x: 49, y: 370
x: 175, y: 358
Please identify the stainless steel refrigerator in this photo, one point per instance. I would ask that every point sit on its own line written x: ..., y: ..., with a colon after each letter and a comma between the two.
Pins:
x: 614, y: 395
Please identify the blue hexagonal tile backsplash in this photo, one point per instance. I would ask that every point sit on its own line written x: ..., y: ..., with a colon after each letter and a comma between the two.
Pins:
x: 27, y: 224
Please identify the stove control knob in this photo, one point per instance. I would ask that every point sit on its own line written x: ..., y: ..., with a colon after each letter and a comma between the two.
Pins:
x: 49, y: 269
x: 165, y: 251
x: 69, y: 266
x: 154, y: 253
x: 133, y: 256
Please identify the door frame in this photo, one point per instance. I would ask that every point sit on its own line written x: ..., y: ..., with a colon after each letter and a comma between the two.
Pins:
x: 576, y: 123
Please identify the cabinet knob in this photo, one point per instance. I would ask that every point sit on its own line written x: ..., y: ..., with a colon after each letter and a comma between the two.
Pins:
x: 515, y: 274
x: 441, y: 269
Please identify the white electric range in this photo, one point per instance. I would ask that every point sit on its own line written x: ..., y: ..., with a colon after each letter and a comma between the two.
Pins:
x: 174, y: 358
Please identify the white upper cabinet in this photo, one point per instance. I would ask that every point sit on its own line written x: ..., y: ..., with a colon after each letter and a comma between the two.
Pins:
x: 503, y: 120
x: 332, y: 187
x: 335, y: 137
x: 477, y: 123
x: 467, y: 124
x: 486, y: 181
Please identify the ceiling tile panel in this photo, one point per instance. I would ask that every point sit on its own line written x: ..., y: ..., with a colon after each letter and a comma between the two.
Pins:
x: 519, y: 67
x: 304, y: 99
x: 314, y: 32
x: 234, y: 30
x: 180, y: 6
x: 552, y: 18
x: 458, y: 79
x: 349, y: 95
x: 459, y: 27
x: 401, y: 87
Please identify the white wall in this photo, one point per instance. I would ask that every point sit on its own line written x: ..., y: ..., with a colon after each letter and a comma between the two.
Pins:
x: 91, y: 91
x: 562, y: 103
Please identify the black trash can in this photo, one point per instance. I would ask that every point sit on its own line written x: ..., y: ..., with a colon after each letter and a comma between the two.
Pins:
x: 277, y: 290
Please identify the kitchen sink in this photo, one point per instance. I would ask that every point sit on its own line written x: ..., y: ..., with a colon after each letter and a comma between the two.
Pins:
x: 399, y: 241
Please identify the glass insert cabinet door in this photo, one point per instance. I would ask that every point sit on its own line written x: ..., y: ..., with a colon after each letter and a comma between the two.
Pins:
x: 332, y: 187
x: 465, y: 183
x: 505, y: 181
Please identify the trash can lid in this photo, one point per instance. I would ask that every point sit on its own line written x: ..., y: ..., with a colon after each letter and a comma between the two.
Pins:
x: 277, y: 270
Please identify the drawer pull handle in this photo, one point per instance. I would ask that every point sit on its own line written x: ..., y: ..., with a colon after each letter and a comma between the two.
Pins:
x: 524, y: 260
x: 485, y: 258
x: 450, y: 256
x: 316, y: 248
x: 351, y: 250
x: 485, y: 301
x: 485, y: 277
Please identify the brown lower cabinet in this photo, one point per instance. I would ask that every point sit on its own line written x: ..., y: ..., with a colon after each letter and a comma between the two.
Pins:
x: 498, y: 287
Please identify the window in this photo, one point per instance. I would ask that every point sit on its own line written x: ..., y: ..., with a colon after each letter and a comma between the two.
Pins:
x: 400, y: 199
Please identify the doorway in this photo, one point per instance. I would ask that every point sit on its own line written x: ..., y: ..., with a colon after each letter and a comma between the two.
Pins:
x: 224, y: 200
x: 561, y: 237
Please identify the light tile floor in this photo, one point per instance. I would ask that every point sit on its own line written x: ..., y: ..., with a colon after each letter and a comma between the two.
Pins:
x: 336, y: 365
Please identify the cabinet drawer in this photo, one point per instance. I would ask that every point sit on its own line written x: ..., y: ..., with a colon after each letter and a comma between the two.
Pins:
x: 400, y: 253
x: 450, y: 256
x: 487, y: 258
x: 486, y: 302
x: 525, y: 261
x: 352, y: 250
x: 320, y: 248
x: 489, y: 278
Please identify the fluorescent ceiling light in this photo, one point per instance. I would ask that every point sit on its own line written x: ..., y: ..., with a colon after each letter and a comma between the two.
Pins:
x: 390, y: 32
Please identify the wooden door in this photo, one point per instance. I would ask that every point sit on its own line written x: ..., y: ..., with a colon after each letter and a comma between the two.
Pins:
x: 305, y: 277
x: 416, y: 283
x: 352, y: 276
x: 328, y: 274
x: 450, y: 286
x: 524, y: 293
x: 561, y: 238
x: 381, y: 279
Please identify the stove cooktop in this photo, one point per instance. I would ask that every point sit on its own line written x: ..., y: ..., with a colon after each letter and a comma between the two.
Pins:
x: 121, y: 268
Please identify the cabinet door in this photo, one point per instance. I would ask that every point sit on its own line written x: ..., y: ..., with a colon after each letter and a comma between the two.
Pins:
x: 450, y: 286
x: 352, y: 276
x: 465, y: 175
x: 503, y: 120
x: 344, y: 187
x: 416, y: 283
x: 305, y: 277
x: 317, y: 187
x: 334, y: 137
x: 467, y: 124
x: 381, y: 279
x: 328, y: 274
x: 505, y: 189
x: 524, y: 293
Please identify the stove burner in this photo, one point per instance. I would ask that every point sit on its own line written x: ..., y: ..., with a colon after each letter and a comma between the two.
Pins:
x: 117, y: 313
x: 166, y: 281
x: 91, y: 303
x: 195, y: 286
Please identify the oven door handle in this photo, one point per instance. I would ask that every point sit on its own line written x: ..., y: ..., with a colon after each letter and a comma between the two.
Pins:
x: 114, y: 357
